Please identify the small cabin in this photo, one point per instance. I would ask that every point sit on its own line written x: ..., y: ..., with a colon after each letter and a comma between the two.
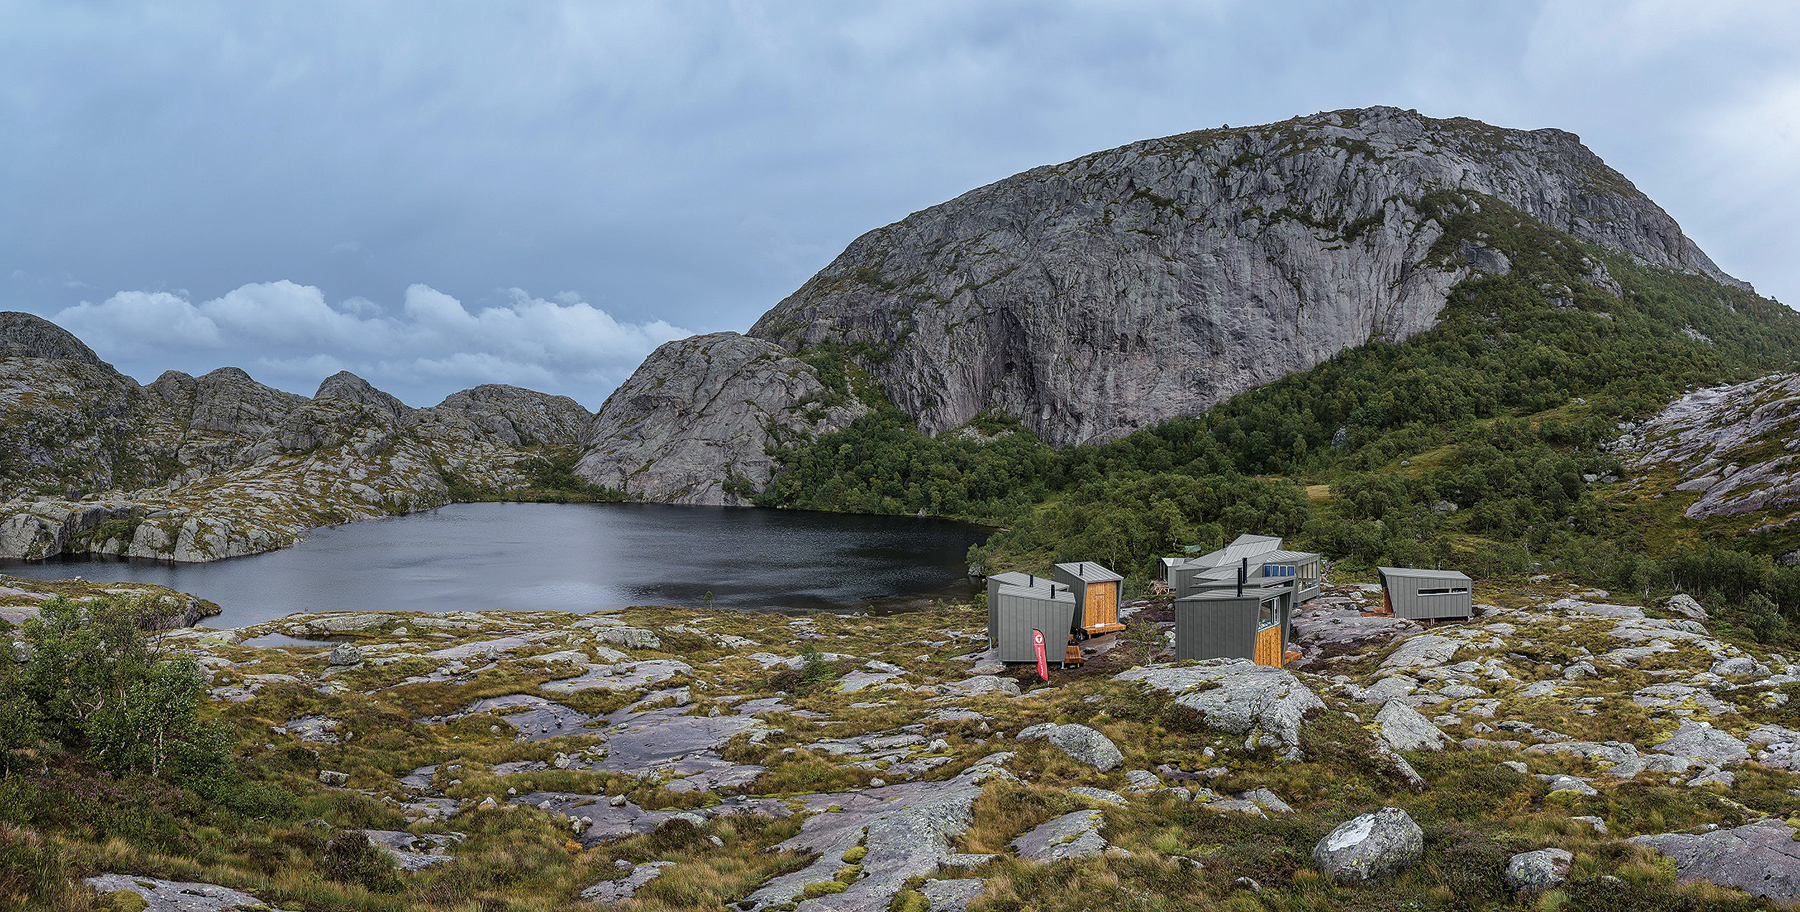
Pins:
x: 1096, y: 596
x: 1018, y: 604
x: 1427, y: 595
x: 1253, y: 621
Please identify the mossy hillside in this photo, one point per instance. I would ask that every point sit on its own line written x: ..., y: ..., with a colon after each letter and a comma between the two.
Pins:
x: 1475, y: 811
x: 1477, y: 443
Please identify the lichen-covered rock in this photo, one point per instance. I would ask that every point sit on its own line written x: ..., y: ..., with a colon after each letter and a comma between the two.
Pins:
x: 1535, y: 872
x: 702, y: 411
x: 1704, y: 744
x: 1238, y: 696
x: 1761, y: 858
x: 1370, y: 846
x: 177, y: 896
x: 1073, y: 835
x: 1405, y: 729
x: 905, y: 830
x: 1081, y: 743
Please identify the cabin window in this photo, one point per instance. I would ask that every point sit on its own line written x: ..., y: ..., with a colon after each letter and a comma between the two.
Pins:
x: 1452, y: 590
x: 1266, y: 615
x: 1277, y: 570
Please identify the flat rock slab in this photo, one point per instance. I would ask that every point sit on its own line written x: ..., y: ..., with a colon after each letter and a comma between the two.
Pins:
x: 1321, y: 628
x: 952, y: 895
x: 534, y: 717
x: 907, y: 831
x: 1073, y: 835
x: 178, y: 896
x: 661, y: 736
x: 619, y: 677
x: 611, y: 892
x: 610, y: 821
x: 1761, y: 858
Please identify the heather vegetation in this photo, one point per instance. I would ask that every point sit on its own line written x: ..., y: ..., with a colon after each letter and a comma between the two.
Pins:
x: 1477, y: 443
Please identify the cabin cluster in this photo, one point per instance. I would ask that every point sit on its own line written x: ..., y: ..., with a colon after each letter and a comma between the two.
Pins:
x: 1236, y: 602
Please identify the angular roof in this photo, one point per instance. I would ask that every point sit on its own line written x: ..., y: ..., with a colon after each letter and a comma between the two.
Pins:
x: 1258, y: 549
x: 1020, y: 584
x: 1420, y: 573
x: 1089, y: 572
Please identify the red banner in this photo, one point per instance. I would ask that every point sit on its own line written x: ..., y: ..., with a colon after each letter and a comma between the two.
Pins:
x: 1037, y: 640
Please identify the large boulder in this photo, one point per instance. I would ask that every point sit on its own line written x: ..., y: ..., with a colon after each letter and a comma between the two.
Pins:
x: 1371, y: 846
x: 1535, y: 872
x: 1084, y: 744
x: 1704, y: 744
x: 1238, y: 697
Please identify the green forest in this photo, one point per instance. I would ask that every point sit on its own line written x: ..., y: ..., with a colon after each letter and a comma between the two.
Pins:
x: 1472, y: 445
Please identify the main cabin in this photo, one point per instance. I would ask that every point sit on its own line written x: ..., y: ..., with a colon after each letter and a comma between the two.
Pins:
x: 1238, y: 601
x: 1096, y: 596
x: 1254, y: 556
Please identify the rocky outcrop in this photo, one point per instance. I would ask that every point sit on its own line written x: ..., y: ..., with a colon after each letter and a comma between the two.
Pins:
x: 514, y: 416
x: 201, y: 468
x: 1734, y: 445
x: 1236, y: 696
x: 703, y: 411
x: 1762, y: 858
x: 1106, y: 294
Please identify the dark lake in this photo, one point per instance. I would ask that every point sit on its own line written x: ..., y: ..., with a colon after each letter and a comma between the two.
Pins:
x: 571, y: 557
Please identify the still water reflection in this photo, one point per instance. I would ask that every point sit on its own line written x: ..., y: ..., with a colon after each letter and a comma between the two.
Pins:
x: 570, y: 557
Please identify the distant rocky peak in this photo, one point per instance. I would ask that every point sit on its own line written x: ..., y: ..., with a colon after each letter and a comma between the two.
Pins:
x: 24, y: 335
x: 348, y: 387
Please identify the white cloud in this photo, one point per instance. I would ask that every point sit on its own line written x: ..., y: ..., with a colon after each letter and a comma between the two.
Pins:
x: 294, y: 338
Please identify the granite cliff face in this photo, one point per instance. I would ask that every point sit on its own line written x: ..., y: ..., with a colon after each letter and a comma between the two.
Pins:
x: 701, y: 412
x: 1100, y: 296
x: 200, y: 468
x: 1097, y: 297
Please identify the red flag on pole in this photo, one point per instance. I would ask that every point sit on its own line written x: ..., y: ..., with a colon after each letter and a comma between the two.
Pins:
x: 1037, y: 641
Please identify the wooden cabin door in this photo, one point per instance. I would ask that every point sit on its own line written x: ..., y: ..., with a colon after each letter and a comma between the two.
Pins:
x: 1102, y: 605
x: 1268, y: 646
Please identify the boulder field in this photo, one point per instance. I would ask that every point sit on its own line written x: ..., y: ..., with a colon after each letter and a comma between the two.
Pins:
x: 1555, y: 743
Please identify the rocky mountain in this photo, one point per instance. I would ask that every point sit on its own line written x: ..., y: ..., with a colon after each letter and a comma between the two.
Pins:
x: 701, y: 412
x: 1103, y: 295
x: 199, y: 468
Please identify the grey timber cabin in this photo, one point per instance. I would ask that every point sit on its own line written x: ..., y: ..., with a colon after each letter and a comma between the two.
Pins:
x: 1238, y: 601
x: 1257, y: 556
x: 1427, y: 595
x: 1096, y: 596
x: 1254, y: 622
x: 1018, y: 604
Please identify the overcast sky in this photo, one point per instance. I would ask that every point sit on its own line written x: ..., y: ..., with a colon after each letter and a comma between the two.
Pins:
x: 439, y: 194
